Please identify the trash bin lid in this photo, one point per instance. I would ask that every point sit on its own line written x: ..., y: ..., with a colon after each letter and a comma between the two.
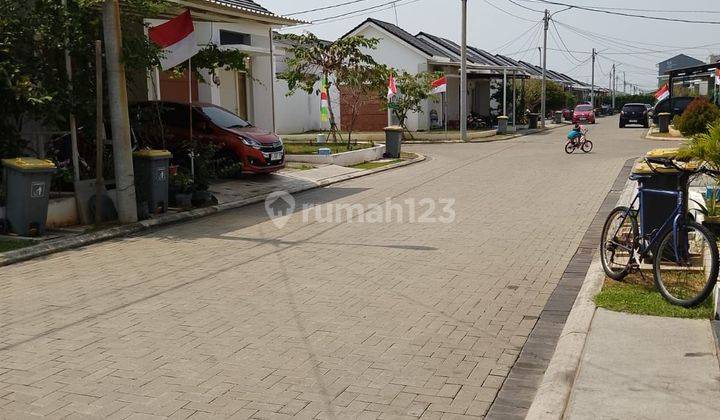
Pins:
x: 669, y: 152
x: 641, y: 167
x: 393, y: 128
x: 28, y: 164
x: 152, y: 154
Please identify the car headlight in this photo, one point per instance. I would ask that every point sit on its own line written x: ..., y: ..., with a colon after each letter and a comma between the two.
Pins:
x: 281, y: 141
x: 251, y: 142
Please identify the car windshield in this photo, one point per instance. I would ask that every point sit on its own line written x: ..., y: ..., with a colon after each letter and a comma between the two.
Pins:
x: 224, y: 118
x: 634, y: 108
x: 583, y: 108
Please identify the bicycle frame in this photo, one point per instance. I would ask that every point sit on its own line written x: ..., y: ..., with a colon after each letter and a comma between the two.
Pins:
x: 676, y: 218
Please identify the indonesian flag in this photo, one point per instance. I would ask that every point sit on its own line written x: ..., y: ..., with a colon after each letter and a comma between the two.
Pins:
x: 439, y: 86
x: 663, y: 92
x: 177, y: 39
x: 392, y: 87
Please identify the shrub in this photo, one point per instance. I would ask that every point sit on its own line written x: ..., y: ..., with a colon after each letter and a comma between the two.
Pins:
x: 697, y: 116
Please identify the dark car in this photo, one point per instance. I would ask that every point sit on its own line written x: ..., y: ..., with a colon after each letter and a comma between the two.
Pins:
x: 634, y: 114
x: 167, y: 123
x: 606, y: 109
x: 679, y: 104
x: 567, y: 114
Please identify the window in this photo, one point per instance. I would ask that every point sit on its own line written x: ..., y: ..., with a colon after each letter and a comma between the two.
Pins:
x: 224, y: 118
x: 234, y: 38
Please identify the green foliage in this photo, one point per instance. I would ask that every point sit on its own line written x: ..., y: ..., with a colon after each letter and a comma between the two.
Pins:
x: 555, y: 96
x: 704, y: 147
x: 413, y: 90
x: 697, y: 116
x: 357, y: 87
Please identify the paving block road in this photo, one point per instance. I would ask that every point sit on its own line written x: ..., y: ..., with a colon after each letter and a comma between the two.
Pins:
x: 231, y: 316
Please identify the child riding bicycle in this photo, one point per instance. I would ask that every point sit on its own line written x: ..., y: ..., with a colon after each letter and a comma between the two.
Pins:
x: 576, y: 133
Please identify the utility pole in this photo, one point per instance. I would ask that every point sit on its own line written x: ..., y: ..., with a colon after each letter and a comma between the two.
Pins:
x: 624, y: 84
x: 546, y: 20
x: 612, y: 87
x: 119, y: 117
x: 592, y: 87
x: 463, y: 75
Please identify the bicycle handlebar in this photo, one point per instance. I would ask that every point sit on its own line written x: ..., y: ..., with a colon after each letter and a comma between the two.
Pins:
x: 670, y: 164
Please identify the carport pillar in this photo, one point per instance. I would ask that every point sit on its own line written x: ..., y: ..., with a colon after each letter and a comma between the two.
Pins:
x: 463, y: 74
x: 272, y: 78
x: 514, y: 99
x: 505, y: 92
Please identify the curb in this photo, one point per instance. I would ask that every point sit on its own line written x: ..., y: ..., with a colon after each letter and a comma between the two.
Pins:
x: 555, y: 389
x: 649, y: 137
x: 64, y: 244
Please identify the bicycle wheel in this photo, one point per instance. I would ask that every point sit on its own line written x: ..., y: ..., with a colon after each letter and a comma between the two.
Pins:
x: 569, y: 147
x: 618, y: 242
x: 685, y: 274
x: 587, y: 146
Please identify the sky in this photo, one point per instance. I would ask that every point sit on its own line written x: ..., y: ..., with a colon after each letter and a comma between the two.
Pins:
x: 508, y: 27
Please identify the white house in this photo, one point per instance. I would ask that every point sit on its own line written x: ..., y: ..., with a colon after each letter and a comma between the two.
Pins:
x: 425, y: 52
x: 255, y: 94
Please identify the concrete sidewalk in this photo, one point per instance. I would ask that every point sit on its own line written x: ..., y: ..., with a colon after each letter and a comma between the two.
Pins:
x: 641, y: 367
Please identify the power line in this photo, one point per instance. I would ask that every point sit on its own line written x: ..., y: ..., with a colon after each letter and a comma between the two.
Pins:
x: 390, y: 3
x: 508, y: 13
x: 325, y: 8
x: 525, y: 7
x: 353, y: 14
x: 561, y: 40
x: 505, y: 45
x: 619, y: 13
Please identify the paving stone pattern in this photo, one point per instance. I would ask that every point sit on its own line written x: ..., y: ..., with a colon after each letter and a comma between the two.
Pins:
x: 231, y: 317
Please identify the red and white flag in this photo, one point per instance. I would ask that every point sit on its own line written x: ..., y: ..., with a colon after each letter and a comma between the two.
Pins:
x: 439, y: 86
x: 392, y: 87
x: 663, y: 92
x: 177, y: 39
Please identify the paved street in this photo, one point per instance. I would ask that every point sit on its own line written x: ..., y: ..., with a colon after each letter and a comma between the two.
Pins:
x: 230, y: 316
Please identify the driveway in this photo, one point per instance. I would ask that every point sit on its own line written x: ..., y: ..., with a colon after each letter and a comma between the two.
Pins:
x: 231, y: 316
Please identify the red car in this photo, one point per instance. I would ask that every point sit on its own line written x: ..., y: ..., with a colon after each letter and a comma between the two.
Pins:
x: 583, y: 113
x: 258, y: 150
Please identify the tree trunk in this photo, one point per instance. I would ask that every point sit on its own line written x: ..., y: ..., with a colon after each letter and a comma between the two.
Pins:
x: 333, y: 124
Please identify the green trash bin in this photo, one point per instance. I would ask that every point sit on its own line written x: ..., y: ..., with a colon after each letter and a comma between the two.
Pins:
x: 27, y: 194
x: 393, y: 141
x: 152, y: 180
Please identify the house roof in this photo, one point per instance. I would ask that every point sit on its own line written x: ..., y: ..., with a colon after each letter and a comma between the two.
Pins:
x: 404, y: 35
x: 248, y: 7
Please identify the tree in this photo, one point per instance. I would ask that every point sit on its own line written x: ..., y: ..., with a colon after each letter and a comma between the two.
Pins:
x: 555, y: 96
x: 342, y: 62
x: 33, y: 83
x: 413, y: 90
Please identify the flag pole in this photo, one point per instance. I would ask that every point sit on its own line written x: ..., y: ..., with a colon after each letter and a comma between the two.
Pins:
x: 190, y: 90
x: 444, y: 99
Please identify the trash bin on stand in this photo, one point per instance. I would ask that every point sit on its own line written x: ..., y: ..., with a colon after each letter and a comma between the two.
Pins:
x: 657, y: 208
x: 393, y: 141
x: 558, y: 117
x: 664, y: 122
x: 152, y: 180
x: 27, y: 194
x: 533, y: 117
x: 502, y: 124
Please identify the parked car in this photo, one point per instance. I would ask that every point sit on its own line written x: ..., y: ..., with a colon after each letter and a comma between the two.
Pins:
x: 258, y: 150
x: 679, y: 105
x: 606, y: 109
x: 583, y: 113
x: 634, y: 114
x: 567, y: 114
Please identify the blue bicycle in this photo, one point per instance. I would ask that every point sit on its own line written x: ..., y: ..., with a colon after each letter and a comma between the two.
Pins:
x: 683, y: 253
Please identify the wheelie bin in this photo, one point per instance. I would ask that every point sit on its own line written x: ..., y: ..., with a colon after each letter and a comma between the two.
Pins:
x: 27, y: 187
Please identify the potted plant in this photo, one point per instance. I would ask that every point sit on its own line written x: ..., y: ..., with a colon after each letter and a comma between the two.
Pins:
x: 181, y: 190
x: 705, y: 147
